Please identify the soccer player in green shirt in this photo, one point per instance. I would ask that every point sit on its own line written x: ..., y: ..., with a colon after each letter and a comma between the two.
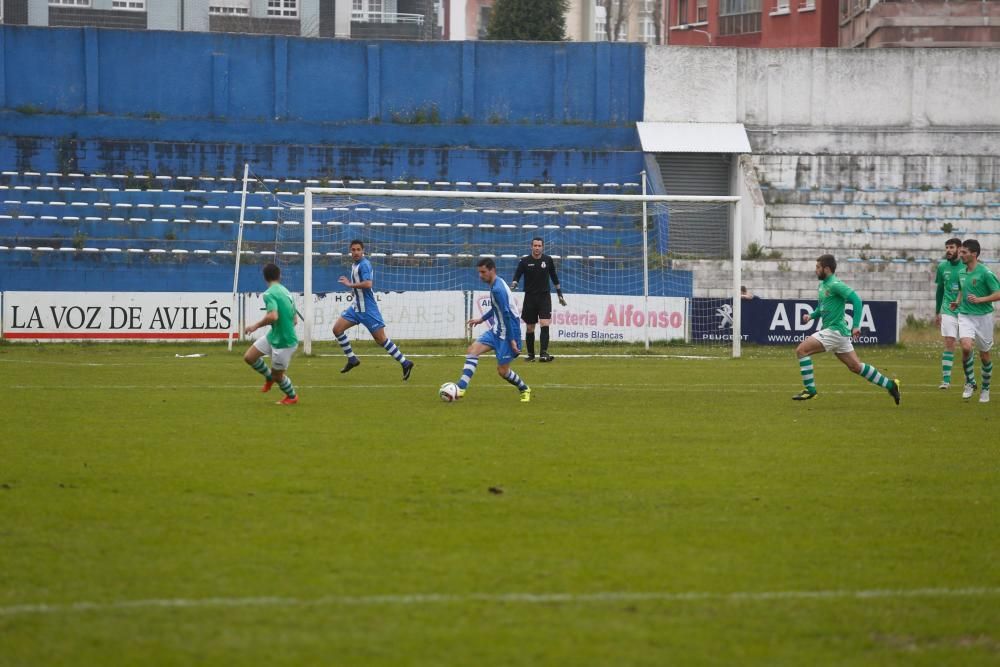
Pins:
x: 946, y: 280
x: 280, y: 342
x: 979, y: 288
x: 835, y: 336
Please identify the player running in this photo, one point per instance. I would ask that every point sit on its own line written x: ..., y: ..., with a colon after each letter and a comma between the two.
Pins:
x: 364, y: 311
x: 979, y: 288
x: 280, y: 342
x: 947, y: 283
x: 835, y: 336
x: 504, y: 336
x: 537, y: 268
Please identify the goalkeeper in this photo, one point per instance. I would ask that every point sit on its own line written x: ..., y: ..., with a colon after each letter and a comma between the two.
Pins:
x: 537, y: 268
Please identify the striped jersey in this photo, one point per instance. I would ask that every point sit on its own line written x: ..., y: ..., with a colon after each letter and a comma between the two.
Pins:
x: 504, y: 318
x: 364, y: 299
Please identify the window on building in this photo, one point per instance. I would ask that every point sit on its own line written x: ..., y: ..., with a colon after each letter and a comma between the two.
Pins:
x: 702, y: 16
x: 370, y: 11
x: 738, y: 17
x: 648, y: 31
x: 600, y: 24
x: 229, y: 8
x: 682, y: 12
x: 780, y: 6
x: 283, y: 8
x: 69, y: 3
x: 131, y: 5
x: 484, y: 21
x: 807, y: 5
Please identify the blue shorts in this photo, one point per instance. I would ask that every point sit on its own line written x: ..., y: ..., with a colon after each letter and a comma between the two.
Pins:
x: 371, y: 320
x: 505, y: 355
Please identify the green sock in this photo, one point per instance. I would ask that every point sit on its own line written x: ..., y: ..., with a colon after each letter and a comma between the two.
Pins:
x: 987, y: 375
x: 947, y: 360
x: 970, y: 369
x: 262, y: 368
x: 871, y: 374
x: 286, y: 386
x: 806, y: 371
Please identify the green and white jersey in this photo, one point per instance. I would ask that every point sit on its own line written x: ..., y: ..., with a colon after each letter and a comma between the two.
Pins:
x: 980, y: 282
x: 833, y: 295
x: 947, y: 277
x: 282, y: 333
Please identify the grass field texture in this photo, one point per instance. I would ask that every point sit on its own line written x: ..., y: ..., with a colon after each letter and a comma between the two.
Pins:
x: 160, y: 510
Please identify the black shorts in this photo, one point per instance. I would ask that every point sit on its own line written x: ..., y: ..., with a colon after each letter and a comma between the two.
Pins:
x: 536, y: 307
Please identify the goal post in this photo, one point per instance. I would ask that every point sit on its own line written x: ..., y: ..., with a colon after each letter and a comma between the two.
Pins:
x: 612, y: 253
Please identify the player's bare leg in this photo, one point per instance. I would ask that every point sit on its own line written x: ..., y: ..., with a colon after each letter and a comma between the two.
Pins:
x: 870, y: 373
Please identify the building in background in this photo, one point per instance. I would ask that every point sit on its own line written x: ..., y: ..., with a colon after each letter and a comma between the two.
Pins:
x: 366, y: 19
x: 878, y: 23
x: 752, y: 23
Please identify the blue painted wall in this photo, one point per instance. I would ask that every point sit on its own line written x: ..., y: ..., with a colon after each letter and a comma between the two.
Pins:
x: 175, y: 75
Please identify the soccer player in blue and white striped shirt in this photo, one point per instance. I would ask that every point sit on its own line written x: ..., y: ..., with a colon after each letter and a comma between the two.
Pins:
x: 364, y: 311
x: 504, y: 336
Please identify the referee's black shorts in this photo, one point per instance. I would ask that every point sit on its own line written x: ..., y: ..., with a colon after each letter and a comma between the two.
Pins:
x: 536, y: 307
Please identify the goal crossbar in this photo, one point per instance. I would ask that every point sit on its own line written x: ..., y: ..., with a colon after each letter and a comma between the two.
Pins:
x: 360, y: 193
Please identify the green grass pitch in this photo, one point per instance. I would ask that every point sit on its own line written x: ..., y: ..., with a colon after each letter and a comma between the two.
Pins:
x: 159, y: 510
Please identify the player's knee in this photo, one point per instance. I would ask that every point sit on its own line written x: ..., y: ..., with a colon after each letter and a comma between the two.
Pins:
x: 854, y: 367
x: 801, y: 351
x: 249, y: 358
x: 502, y: 370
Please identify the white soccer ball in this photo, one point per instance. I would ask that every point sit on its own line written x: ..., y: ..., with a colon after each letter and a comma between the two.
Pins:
x: 448, y: 392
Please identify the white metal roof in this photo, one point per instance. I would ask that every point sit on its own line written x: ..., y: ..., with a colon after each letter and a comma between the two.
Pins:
x: 693, y: 138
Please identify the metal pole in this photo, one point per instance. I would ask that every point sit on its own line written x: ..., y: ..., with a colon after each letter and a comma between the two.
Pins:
x: 645, y: 264
x: 737, y: 277
x: 239, y: 251
x: 307, y: 269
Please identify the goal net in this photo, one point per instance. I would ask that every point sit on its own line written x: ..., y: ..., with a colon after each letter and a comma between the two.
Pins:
x: 612, y: 256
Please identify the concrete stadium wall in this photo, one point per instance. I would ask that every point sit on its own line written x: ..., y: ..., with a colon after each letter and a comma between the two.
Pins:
x: 835, y: 101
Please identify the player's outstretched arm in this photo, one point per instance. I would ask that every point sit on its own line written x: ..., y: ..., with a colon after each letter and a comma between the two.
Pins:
x: 267, y: 320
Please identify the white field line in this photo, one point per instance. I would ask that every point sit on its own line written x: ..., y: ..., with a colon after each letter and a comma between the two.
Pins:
x: 680, y: 388
x: 420, y: 599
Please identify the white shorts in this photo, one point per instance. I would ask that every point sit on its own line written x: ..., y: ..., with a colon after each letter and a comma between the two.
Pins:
x: 977, y: 327
x: 949, y: 326
x: 280, y: 357
x: 834, y: 341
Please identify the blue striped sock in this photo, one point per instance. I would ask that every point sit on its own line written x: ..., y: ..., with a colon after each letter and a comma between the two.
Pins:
x: 345, y: 345
x: 515, y: 380
x: 391, y: 348
x: 471, y: 364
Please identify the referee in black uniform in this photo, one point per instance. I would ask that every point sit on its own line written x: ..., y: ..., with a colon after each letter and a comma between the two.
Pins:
x: 537, y: 268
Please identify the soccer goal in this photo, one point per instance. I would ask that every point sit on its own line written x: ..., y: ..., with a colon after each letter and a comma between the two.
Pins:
x: 621, y: 280
x: 612, y: 253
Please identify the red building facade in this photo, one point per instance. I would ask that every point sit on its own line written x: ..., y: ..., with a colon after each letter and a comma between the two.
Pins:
x: 752, y: 23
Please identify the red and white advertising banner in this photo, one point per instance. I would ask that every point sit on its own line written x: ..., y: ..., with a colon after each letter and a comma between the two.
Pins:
x: 594, y: 318
x: 117, y: 316
x: 435, y: 315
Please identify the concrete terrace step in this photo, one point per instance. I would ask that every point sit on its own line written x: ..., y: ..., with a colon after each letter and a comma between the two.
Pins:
x: 888, y: 212
x: 881, y: 197
x: 877, y: 225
